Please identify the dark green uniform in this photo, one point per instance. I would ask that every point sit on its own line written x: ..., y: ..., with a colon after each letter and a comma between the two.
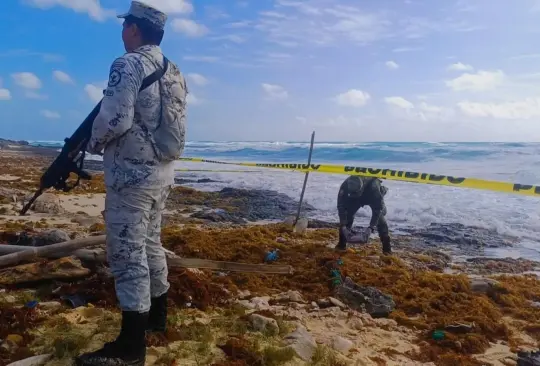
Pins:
x: 356, y: 192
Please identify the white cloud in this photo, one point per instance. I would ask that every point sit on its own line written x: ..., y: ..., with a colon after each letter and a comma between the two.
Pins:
x: 241, y: 24
x: 524, y: 109
x: 275, y: 91
x: 191, y: 99
x: 423, y: 106
x: 189, y: 27
x: 399, y: 102
x: 95, y: 91
x: 90, y: 7
x: 34, y: 95
x: 50, y: 114
x: 63, y: 77
x: 27, y: 80
x: 197, y: 79
x: 392, y: 65
x: 481, y: 81
x: 234, y: 38
x: 353, y: 98
x: 295, y: 22
x: 172, y: 6
x: 201, y: 58
x: 406, y: 49
x: 5, y: 94
x: 302, y: 120
x: 460, y: 67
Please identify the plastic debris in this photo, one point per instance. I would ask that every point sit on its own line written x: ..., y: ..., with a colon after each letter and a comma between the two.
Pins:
x: 438, y: 335
x: 31, y: 304
x: 272, y: 256
x: 74, y: 300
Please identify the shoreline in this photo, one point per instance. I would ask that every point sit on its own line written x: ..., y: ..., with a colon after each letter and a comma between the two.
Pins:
x: 497, y: 314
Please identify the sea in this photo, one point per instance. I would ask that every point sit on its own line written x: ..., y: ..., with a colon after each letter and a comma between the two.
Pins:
x: 408, y: 204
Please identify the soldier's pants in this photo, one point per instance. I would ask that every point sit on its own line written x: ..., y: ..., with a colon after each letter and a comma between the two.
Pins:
x: 352, y: 209
x: 134, y: 252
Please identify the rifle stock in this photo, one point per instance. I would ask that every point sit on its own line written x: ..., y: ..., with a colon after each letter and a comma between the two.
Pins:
x: 70, y: 160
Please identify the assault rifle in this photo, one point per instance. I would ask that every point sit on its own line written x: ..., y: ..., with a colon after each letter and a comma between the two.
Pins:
x: 70, y: 160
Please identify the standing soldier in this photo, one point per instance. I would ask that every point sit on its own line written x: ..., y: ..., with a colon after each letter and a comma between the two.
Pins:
x: 356, y: 192
x: 141, y: 130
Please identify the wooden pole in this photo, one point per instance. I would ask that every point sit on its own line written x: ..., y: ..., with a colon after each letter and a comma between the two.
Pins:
x: 34, y: 252
x: 305, y: 179
x: 173, y: 260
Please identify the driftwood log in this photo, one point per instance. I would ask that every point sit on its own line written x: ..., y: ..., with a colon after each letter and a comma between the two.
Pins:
x: 35, y: 252
x: 72, y: 248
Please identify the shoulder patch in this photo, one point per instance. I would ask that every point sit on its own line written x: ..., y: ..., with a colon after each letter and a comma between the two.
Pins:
x: 118, y: 64
x: 114, y: 78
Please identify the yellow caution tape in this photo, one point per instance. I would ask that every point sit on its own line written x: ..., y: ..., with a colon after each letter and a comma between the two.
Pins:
x: 399, y: 175
x: 217, y: 171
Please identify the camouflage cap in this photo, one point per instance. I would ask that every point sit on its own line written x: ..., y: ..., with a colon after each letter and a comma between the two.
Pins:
x: 144, y: 11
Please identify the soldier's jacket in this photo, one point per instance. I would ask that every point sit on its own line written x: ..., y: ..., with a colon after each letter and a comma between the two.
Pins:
x: 127, y: 117
x: 356, y: 192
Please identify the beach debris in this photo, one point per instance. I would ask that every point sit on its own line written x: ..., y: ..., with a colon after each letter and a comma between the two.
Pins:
x: 263, y: 324
x: 302, y: 342
x: 438, y: 335
x: 74, y: 300
x: 35, y: 252
x: 63, y: 268
x: 528, y: 358
x: 460, y: 328
x: 39, y: 360
x: 272, y: 256
x: 47, y: 203
x: 376, y: 303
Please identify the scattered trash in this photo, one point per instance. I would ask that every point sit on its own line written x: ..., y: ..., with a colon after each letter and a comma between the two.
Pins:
x: 528, y: 358
x: 438, y: 335
x: 460, y: 328
x: 74, y: 300
x: 31, y: 304
x: 272, y: 256
x: 335, y: 277
x: 33, y: 361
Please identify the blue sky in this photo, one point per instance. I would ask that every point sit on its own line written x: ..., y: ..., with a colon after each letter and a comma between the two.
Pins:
x: 401, y: 70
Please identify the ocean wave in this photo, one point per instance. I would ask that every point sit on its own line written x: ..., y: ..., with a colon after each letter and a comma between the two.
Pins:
x: 336, y: 152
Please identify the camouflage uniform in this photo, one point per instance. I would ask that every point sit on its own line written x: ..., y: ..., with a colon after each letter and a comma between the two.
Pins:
x: 356, y: 192
x: 137, y: 183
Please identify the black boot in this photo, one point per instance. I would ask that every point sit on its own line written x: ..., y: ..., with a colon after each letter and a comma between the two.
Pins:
x: 129, y: 349
x: 157, y: 318
x: 386, y: 245
x: 342, y: 244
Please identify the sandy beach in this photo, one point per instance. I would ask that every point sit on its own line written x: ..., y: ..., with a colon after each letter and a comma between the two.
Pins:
x: 419, y: 306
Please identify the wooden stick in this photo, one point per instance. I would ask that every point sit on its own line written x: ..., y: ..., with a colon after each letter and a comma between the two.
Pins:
x: 65, y: 247
x: 305, y: 179
x: 228, y: 266
x: 173, y: 260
